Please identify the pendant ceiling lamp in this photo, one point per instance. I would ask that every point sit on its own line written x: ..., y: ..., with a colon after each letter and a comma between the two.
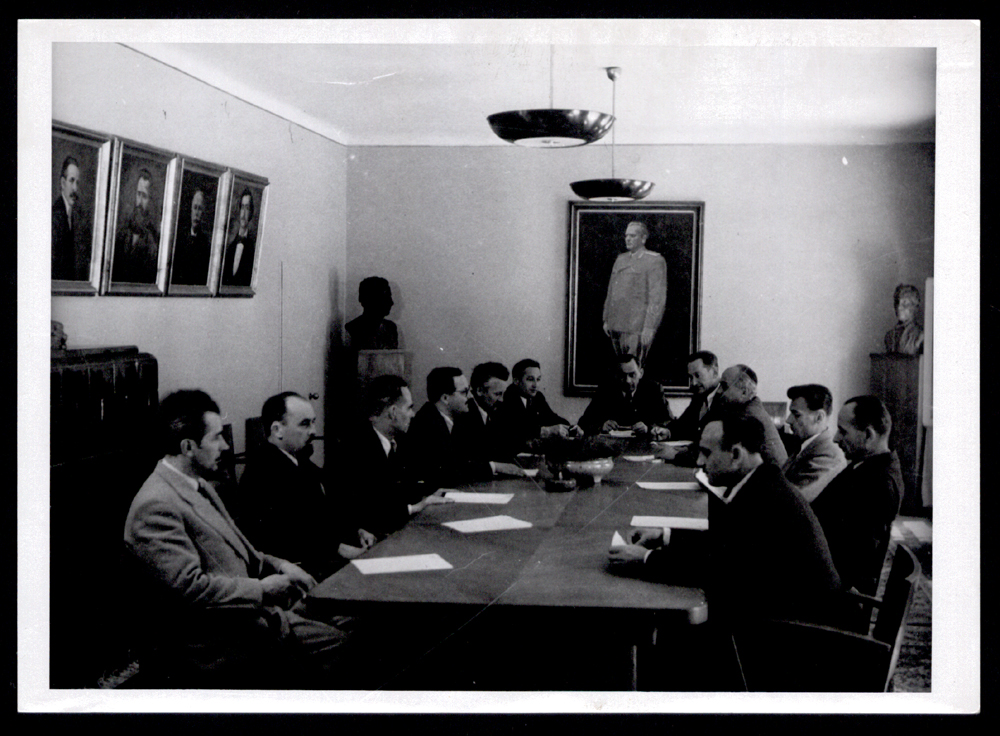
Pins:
x: 612, y: 190
x: 551, y: 128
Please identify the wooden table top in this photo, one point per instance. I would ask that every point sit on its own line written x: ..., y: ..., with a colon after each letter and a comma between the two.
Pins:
x: 558, y: 564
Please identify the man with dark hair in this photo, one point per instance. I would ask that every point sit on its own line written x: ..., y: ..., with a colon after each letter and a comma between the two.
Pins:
x: 225, y: 613
x: 237, y: 266
x: 703, y: 378
x: 137, y: 244
x: 860, y: 503
x: 525, y: 415
x: 818, y: 459
x: 283, y: 503
x: 70, y: 251
x: 629, y: 403
x: 370, y: 458
x: 193, y: 251
x: 371, y: 330
x: 764, y: 553
x: 437, y: 449
x: 480, y: 424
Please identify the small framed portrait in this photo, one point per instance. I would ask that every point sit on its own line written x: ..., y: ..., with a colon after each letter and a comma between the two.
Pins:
x: 634, y: 289
x: 81, y: 167
x: 198, y: 229
x: 244, y: 235
x: 138, y: 240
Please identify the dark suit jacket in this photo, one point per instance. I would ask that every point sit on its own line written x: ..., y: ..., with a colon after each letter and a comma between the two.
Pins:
x: 519, y: 424
x: 773, y: 450
x: 286, y: 509
x: 857, y: 509
x: 764, y: 554
x: 483, y: 440
x: 70, y: 259
x: 191, y: 259
x: 688, y: 426
x: 438, y: 457
x: 811, y: 469
x: 244, y: 272
x: 645, y: 405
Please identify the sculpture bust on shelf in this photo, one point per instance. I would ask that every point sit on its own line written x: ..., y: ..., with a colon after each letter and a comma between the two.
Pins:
x: 372, y: 331
x: 907, y: 337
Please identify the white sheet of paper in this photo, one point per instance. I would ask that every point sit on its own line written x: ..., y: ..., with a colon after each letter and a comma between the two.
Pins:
x: 404, y: 563
x: 466, y: 497
x: 703, y: 480
x: 530, y: 472
x: 617, y: 540
x: 488, y: 524
x: 621, y: 433
x: 638, y: 458
x: 677, y: 443
x: 668, y: 485
x: 670, y: 522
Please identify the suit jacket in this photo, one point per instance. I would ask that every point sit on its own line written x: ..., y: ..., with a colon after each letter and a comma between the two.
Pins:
x: 244, y: 271
x: 286, y: 509
x: 439, y: 457
x: 520, y: 423
x: 811, y: 469
x: 773, y: 450
x: 645, y: 405
x: 688, y: 425
x: 70, y: 259
x: 483, y: 439
x: 764, y: 554
x: 191, y: 259
x: 857, y: 509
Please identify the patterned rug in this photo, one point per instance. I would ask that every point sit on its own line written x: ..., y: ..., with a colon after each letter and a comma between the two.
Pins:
x: 913, y: 670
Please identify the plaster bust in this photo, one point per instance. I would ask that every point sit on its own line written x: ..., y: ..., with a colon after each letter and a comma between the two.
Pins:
x: 372, y: 331
x: 907, y: 337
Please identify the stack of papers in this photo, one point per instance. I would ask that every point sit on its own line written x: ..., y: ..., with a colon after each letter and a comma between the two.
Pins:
x: 404, y: 563
x: 670, y: 522
x: 668, y: 485
x: 466, y: 497
x: 621, y: 433
x: 488, y: 524
x: 638, y: 458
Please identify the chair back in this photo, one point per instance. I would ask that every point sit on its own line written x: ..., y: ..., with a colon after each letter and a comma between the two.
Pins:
x: 900, y: 587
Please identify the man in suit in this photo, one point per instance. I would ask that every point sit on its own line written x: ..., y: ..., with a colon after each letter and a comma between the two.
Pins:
x: 193, y: 251
x: 137, y: 244
x: 70, y: 254
x: 227, y: 613
x: 437, y: 450
x: 703, y: 378
x: 859, y: 504
x: 283, y: 504
x: 480, y: 423
x: 818, y: 458
x: 525, y: 415
x: 237, y: 266
x: 387, y: 496
x: 630, y: 403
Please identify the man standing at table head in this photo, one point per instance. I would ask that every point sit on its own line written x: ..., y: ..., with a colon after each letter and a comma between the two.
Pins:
x: 818, y: 459
x: 225, y: 609
x: 765, y: 552
x: 284, y: 504
x: 630, y: 404
x: 370, y: 459
x: 637, y: 295
x: 525, y: 414
x: 860, y: 503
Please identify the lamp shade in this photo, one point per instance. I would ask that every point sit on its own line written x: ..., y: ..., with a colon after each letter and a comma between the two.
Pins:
x: 551, y: 128
x: 612, y: 190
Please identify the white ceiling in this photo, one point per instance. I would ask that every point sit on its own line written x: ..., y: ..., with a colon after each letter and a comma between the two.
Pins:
x: 439, y: 94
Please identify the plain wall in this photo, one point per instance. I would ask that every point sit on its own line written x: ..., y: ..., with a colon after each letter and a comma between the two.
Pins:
x: 240, y: 350
x: 803, y: 246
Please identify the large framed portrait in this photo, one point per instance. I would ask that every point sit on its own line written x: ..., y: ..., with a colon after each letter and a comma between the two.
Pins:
x: 244, y: 235
x: 198, y: 229
x: 634, y: 288
x: 81, y: 166
x: 137, y: 252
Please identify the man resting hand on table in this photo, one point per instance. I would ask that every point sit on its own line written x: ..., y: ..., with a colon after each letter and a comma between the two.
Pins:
x: 630, y: 404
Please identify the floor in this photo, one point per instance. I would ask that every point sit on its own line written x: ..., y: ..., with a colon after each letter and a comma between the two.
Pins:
x: 913, y: 670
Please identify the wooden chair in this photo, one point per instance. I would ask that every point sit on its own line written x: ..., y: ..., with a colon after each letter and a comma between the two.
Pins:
x: 793, y: 656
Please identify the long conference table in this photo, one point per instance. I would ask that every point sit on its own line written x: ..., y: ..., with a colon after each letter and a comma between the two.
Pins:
x: 525, y: 596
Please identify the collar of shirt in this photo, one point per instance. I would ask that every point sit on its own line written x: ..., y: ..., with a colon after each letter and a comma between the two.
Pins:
x: 729, y: 495
x: 386, y: 442
x: 193, y: 482
x: 69, y: 210
x: 711, y: 397
x: 290, y: 456
x: 809, y: 441
x: 524, y: 400
x: 482, y: 412
x: 447, y: 420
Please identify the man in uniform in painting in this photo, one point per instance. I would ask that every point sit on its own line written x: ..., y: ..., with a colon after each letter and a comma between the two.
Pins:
x: 137, y: 243
x: 237, y: 268
x: 70, y: 259
x: 637, y: 295
x: 193, y: 247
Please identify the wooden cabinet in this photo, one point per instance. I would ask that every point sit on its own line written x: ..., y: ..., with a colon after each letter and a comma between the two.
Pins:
x: 102, y: 447
x: 896, y: 380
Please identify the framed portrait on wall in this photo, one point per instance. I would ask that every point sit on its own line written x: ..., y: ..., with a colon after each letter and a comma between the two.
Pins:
x: 139, y: 234
x: 634, y: 288
x: 244, y: 235
x: 81, y: 166
x: 198, y: 229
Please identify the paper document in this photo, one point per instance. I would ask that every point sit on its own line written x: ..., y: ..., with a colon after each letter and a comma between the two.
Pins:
x: 488, y: 524
x: 638, y: 458
x: 670, y: 522
x: 703, y: 480
x: 621, y: 433
x: 617, y: 540
x: 405, y: 563
x: 668, y: 485
x: 466, y: 497
x: 530, y: 472
x: 677, y: 443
